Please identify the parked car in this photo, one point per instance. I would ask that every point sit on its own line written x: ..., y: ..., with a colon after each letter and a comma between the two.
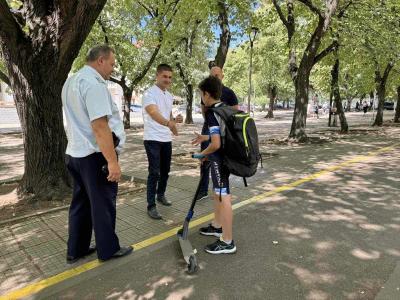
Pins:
x: 388, y: 105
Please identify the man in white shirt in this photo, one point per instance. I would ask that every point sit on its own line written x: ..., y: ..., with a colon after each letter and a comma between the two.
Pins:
x: 95, y: 137
x: 158, y: 126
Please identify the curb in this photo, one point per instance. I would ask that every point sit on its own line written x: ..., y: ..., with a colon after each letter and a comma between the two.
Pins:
x: 10, y: 180
x: 51, y: 210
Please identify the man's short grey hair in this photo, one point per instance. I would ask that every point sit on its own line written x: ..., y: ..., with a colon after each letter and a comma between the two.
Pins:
x: 99, y: 50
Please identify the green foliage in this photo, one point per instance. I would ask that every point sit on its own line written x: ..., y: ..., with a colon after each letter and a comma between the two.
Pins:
x: 269, y: 63
x: 368, y: 34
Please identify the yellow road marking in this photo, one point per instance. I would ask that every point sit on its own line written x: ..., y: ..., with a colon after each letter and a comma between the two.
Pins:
x: 35, y: 287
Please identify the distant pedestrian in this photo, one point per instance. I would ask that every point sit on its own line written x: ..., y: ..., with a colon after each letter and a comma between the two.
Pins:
x: 316, y: 110
x: 365, y: 107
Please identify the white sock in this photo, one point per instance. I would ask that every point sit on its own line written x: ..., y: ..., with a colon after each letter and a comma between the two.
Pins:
x: 226, y: 242
x: 216, y: 226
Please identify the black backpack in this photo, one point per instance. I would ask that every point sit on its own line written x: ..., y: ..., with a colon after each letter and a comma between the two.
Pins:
x: 239, y: 140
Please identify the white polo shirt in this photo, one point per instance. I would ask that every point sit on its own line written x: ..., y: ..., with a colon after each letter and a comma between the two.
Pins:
x: 85, y: 98
x: 154, y: 131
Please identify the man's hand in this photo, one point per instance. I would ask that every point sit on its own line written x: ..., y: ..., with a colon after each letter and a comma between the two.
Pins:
x: 114, y: 172
x: 199, y: 139
x: 179, y: 119
x: 172, y: 127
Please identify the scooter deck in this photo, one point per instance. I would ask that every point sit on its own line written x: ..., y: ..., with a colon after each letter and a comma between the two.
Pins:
x: 187, y: 248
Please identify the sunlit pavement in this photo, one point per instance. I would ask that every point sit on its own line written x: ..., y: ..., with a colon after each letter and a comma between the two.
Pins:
x: 335, y: 236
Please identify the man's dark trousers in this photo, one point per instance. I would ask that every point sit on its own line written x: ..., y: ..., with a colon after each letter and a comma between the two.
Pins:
x: 93, y: 206
x: 159, y: 157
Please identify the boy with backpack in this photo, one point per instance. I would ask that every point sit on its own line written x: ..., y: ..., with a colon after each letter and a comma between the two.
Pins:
x: 221, y: 227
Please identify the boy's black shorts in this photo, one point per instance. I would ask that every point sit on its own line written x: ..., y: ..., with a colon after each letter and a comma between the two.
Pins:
x: 220, y: 178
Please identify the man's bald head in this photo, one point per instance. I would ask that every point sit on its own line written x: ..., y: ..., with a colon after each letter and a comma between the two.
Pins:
x: 217, y: 72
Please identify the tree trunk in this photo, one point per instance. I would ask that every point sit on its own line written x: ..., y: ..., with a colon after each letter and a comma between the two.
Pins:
x: 189, y: 105
x: 45, y: 175
x: 38, y: 56
x: 381, y: 91
x: 127, y: 107
x: 298, y: 128
x: 330, y: 108
x: 272, y: 92
x: 380, y: 83
x: 397, y: 113
x: 348, y: 106
x: 300, y: 75
x: 225, y: 36
x: 344, y: 127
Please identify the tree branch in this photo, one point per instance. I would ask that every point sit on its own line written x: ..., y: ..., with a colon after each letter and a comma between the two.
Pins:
x: 75, y: 16
x: 13, y: 40
x: 5, y: 78
x: 388, y: 68
x: 344, y: 9
x: 280, y: 13
x: 151, y: 13
x: 174, y: 11
x: 115, y: 80
x: 182, y: 74
x: 312, y: 7
x: 225, y: 36
x: 332, y: 47
x: 147, y: 67
x: 103, y: 29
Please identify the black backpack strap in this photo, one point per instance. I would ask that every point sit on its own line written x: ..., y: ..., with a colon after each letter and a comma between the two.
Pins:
x: 245, y: 181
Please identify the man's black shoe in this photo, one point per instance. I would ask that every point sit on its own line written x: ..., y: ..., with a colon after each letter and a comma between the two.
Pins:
x: 123, y: 251
x: 163, y: 200
x: 154, y: 214
x: 74, y: 259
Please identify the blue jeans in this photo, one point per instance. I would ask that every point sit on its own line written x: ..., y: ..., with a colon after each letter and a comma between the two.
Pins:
x: 159, y: 157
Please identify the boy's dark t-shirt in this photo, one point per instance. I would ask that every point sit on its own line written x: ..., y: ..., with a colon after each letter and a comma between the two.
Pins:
x: 212, y: 125
x: 229, y: 98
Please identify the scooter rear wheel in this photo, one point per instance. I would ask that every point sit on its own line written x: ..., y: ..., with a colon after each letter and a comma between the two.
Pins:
x: 192, y: 266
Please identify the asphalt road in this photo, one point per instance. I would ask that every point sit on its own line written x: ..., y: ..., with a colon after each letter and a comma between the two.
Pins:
x: 337, y: 238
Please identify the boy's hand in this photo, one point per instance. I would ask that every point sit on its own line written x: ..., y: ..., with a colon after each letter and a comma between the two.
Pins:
x: 199, y: 139
x: 200, y: 157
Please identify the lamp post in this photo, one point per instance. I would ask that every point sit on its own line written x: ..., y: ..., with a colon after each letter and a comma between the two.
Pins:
x: 252, y: 37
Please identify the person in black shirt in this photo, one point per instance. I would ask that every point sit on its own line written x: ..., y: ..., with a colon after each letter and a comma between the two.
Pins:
x: 221, y: 226
x: 229, y: 98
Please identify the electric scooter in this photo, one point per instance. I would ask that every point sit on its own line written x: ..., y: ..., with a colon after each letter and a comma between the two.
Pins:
x: 189, y: 253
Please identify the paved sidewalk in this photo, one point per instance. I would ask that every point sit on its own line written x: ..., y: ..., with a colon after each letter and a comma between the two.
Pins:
x: 35, y: 248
